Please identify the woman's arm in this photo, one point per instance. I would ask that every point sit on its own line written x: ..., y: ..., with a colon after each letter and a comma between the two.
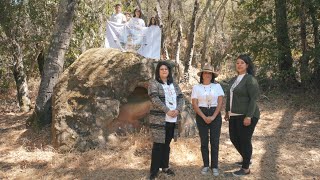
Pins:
x: 253, y: 92
x: 218, y: 108
x: 228, y: 97
x: 198, y: 110
x: 227, y: 109
x: 153, y: 92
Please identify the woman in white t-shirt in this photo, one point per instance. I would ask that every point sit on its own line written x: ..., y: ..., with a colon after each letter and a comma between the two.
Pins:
x: 136, y: 27
x: 136, y: 21
x: 207, y: 100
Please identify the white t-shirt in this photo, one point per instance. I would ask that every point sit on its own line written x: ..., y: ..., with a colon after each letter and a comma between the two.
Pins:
x: 118, y: 18
x: 136, y: 22
x: 234, y: 85
x: 207, y: 95
x: 171, y: 100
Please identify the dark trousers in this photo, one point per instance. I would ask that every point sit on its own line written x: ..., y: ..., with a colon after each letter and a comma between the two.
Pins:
x: 215, y: 128
x: 161, y: 152
x: 241, y: 136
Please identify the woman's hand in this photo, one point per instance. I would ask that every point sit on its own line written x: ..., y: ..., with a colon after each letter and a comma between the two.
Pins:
x: 212, y: 118
x: 173, y: 113
x: 247, y: 121
x: 207, y: 120
x: 226, y: 116
x: 176, y: 113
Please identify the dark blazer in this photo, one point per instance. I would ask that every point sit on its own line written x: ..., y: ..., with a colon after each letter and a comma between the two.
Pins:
x: 245, y: 97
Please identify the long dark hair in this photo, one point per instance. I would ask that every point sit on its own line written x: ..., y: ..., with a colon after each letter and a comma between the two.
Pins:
x: 246, y: 58
x: 170, y: 79
x: 212, y: 80
x: 155, y: 21
x: 134, y: 13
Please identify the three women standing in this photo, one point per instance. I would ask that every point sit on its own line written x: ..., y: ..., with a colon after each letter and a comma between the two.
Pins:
x: 242, y: 111
x: 167, y: 102
x: 207, y: 100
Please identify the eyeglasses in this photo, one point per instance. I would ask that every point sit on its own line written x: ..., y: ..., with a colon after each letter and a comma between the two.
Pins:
x: 163, y: 69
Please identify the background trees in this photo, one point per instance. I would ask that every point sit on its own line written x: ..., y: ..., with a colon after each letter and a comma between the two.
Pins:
x: 24, y: 28
x: 54, y: 62
x: 282, y: 36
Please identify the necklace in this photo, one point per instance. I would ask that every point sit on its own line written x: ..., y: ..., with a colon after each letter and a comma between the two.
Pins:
x: 236, y: 82
x: 209, y: 100
x: 234, y: 85
x: 170, y: 94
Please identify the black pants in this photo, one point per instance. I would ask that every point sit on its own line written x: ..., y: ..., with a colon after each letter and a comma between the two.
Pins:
x: 161, y: 152
x: 215, y: 128
x: 241, y: 136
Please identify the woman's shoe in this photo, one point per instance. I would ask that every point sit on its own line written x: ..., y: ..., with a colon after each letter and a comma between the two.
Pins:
x: 152, y: 176
x: 168, y: 171
x: 215, y: 172
x: 240, y: 172
x: 205, y: 170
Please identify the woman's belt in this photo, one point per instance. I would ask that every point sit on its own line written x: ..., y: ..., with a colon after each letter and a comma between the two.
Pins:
x: 208, y: 107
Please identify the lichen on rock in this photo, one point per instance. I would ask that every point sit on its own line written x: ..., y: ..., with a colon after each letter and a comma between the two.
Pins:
x: 88, y: 96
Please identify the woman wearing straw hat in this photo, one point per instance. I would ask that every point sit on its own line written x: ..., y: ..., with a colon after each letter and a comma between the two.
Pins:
x: 207, y: 100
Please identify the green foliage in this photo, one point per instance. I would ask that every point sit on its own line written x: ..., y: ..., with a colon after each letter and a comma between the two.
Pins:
x: 254, y: 30
x: 30, y: 25
x: 250, y: 26
x: 88, y: 29
x: 89, y: 26
x: 253, y: 33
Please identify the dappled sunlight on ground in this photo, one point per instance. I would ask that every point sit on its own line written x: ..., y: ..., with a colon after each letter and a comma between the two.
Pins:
x: 286, y: 146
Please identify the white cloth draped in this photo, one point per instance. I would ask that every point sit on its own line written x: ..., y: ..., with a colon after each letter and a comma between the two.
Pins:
x: 131, y: 36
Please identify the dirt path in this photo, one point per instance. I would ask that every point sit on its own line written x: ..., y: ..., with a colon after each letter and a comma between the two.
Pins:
x: 286, y: 146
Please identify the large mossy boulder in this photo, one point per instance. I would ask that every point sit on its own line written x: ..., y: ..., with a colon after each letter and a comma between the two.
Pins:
x: 89, y: 94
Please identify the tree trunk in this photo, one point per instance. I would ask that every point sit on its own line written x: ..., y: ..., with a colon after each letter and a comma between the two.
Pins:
x: 209, y: 30
x: 283, y: 43
x: 304, y: 59
x: 178, y: 42
x: 181, y: 13
x: 164, y: 49
x: 20, y: 78
x: 40, y: 60
x: 315, y: 25
x: 12, y: 14
x: 180, y: 8
x: 203, y: 12
x: 169, y: 30
x: 191, y: 39
x: 178, y: 49
x: 53, y: 65
x: 206, y: 38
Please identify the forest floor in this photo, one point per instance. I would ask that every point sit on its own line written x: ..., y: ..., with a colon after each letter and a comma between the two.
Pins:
x: 286, y: 145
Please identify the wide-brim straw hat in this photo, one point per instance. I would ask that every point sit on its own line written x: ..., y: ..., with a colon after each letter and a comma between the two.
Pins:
x: 208, y: 68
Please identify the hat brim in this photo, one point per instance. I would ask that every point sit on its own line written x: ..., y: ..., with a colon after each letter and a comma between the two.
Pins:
x: 215, y: 74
